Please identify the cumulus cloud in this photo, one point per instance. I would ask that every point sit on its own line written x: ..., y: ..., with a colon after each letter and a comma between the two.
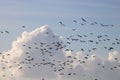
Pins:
x: 41, y: 55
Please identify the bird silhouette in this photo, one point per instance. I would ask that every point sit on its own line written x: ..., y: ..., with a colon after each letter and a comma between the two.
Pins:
x: 7, y: 32
x: 23, y: 26
x: 83, y: 19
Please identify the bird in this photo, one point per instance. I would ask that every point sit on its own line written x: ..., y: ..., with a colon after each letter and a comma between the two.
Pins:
x: 73, y: 29
x: 0, y: 53
x: 74, y: 21
x: 42, y: 78
x: 23, y: 26
x: 83, y: 19
x: 1, y: 32
x: 93, y: 23
x: 111, y: 48
x: 7, y: 32
x: 61, y: 23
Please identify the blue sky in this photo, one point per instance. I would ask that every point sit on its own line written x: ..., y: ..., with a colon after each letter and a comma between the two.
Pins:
x: 35, y: 13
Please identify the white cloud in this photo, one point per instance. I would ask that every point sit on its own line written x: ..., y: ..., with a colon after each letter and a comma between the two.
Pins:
x: 41, y: 54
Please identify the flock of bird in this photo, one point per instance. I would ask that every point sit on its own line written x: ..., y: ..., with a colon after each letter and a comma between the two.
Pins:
x: 8, y: 32
x: 4, y: 32
x: 82, y: 21
x: 60, y: 66
x: 45, y: 51
x: 99, y: 39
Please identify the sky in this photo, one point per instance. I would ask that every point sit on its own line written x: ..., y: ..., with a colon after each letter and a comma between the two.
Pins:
x: 35, y: 13
x: 21, y: 18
